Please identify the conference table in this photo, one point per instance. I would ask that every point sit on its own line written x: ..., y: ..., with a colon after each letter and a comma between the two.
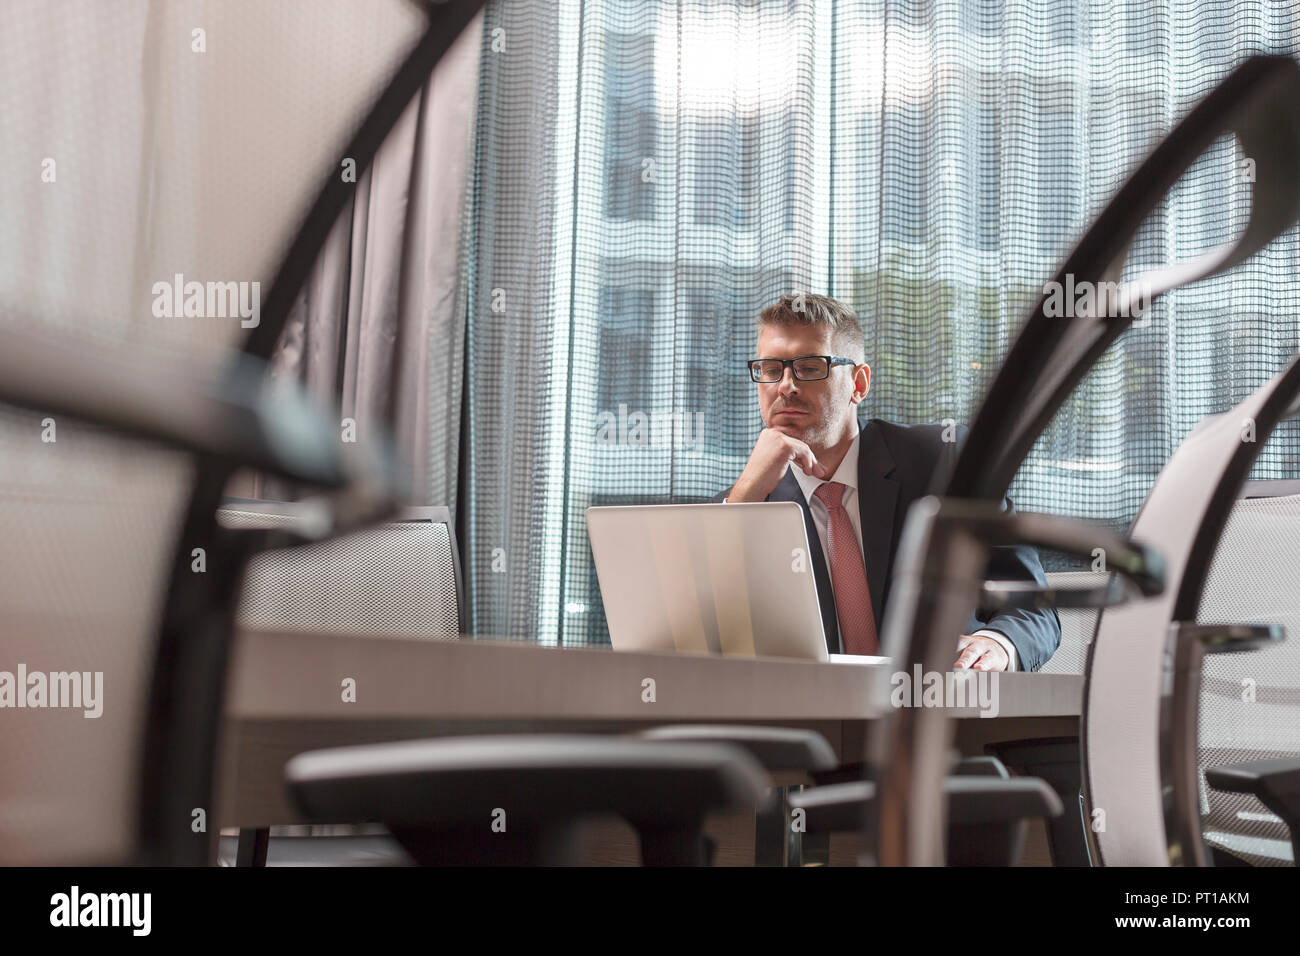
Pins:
x: 295, y: 691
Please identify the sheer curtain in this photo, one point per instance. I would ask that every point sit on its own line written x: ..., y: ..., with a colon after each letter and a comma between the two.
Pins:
x: 378, y: 330
x: 649, y: 175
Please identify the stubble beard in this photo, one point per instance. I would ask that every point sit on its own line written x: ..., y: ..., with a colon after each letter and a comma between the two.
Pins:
x: 814, y: 435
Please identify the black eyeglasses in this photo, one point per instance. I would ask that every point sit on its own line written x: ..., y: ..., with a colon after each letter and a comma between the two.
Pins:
x: 807, y: 368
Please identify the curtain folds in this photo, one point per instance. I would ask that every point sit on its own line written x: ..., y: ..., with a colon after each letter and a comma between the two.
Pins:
x: 378, y: 330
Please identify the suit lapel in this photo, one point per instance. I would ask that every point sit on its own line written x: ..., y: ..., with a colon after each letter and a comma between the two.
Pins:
x: 789, y: 490
x: 877, y: 501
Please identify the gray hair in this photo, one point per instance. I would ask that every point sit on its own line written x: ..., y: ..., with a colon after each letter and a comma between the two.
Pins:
x: 806, y: 308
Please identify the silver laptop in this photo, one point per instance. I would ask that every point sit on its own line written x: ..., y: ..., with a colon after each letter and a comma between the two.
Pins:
x: 722, y: 579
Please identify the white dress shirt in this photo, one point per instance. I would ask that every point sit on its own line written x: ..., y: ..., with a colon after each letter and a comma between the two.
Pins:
x: 847, y: 475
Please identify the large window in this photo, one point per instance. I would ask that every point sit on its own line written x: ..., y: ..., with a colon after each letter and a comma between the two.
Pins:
x: 654, y: 173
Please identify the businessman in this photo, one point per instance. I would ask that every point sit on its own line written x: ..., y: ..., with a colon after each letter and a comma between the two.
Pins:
x: 855, y: 483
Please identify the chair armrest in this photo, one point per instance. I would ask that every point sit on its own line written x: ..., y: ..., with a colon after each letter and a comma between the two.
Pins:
x: 459, y: 780
x: 778, y: 749
x: 227, y: 415
x: 981, y: 800
x: 984, y: 766
x: 1139, y: 570
x: 1275, y: 782
x: 1226, y: 638
x: 441, y: 797
x: 840, y: 807
x: 834, y: 807
x: 231, y: 413
x: 941, y: 561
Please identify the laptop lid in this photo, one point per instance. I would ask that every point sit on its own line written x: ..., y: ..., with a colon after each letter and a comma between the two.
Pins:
x: 708, y: 578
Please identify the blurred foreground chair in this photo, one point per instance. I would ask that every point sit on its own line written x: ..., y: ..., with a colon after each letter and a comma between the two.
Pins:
x: 149, y: 758
x: 986, y: 826
x: 1145, y: 765
x: 124, y: 412
x: 519, y: 799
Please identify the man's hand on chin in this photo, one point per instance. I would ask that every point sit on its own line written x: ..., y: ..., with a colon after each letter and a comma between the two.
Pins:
x: 980, y: 653
x: 772, y: 455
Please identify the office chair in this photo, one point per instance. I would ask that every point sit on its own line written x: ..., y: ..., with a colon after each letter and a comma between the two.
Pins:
x: 836, y: 801
x: 836, y: 806
x: 946, y: 540
x: 97, y: 551
x: 121, y: 426
x: 402, y: 579
x: 397, y: 579
x: 988, y: 819
x: 1133, y: 744
x: 1142, y: 761
x: 520, y: 799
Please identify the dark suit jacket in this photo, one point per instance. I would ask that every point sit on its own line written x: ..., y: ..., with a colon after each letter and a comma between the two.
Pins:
x: 896, y: 465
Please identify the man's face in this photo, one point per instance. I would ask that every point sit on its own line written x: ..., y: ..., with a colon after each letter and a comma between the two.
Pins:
x: 817, y: 412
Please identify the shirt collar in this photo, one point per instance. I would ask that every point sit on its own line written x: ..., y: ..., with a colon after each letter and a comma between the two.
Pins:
x: 845, y: 474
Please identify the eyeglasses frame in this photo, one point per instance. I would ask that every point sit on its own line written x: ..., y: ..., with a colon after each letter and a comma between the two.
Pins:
x: 831, y: 362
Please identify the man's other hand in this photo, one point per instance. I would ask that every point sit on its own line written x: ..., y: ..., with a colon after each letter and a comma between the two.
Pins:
x: 772, y: 455
x: 980, y: 653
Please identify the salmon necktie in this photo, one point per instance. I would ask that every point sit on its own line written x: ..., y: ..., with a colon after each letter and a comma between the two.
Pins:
x: 848, y: 575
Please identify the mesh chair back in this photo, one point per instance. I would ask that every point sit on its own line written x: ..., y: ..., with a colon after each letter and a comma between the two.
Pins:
x: 1077, y: 626
x: 1250, y: 703
x: 400, y: 579
x: 1121, y: 722
x: 86, y: 528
